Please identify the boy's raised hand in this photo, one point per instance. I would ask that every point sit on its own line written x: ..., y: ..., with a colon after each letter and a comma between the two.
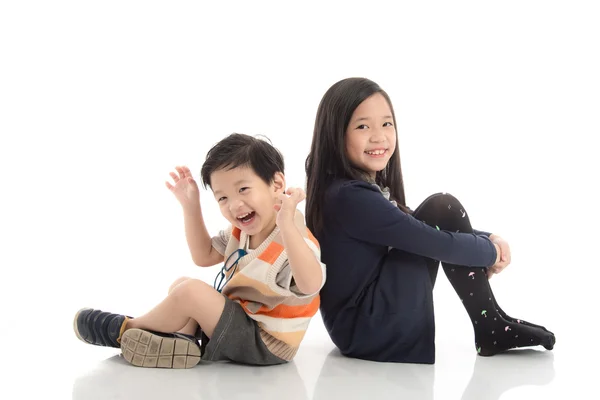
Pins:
x: 286, y: 210
x: 184, y: 187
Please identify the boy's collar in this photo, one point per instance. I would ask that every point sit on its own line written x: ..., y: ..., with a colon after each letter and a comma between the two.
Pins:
x: 245, y: 240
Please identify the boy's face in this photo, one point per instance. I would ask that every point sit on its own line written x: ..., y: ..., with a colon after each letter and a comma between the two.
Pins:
x: 247, y: 201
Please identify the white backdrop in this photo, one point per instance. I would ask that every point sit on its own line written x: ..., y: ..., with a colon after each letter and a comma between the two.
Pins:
x: 497, y: 103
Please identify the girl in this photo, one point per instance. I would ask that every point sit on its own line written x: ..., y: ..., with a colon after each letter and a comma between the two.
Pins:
x: 382, y: 258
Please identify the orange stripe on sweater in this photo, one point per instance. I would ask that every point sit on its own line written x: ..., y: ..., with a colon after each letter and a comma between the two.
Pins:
x: 285, y: 311
x: 236, y: 233
x: 271, y: 253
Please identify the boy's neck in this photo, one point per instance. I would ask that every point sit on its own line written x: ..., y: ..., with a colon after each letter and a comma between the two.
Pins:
x: 256, y: 240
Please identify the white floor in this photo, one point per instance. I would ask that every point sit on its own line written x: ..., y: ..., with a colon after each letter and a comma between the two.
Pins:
x: 48, y: 360
x: 321, y: 373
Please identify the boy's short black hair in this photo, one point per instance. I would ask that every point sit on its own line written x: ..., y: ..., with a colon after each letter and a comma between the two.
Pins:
x: 240, y: 150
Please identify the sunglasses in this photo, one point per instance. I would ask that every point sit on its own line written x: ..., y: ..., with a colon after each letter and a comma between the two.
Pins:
x: 222, y: 276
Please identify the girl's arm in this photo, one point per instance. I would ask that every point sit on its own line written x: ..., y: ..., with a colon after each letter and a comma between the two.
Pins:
x: 364, y: 214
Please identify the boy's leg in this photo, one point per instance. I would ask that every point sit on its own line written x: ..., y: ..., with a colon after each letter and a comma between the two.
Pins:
x: 143, y: 344
x: 190, y: 299
x: 102, y: 328
x: 147, y: 341
x: 191, y: 327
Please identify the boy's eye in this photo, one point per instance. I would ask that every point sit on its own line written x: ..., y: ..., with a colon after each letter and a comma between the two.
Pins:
x: 221, y: 199
x: 244, y: 189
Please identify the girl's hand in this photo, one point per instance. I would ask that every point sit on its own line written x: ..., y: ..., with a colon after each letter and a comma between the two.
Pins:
x: 287, y: 209
x: 185, y: 188
x: 504, y: 256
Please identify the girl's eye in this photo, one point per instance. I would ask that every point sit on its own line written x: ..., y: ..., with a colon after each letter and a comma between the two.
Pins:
x: 388, y: 124
x: 363, y: 126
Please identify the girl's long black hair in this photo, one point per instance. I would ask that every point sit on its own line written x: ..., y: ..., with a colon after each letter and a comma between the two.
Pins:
x: 328, y: 161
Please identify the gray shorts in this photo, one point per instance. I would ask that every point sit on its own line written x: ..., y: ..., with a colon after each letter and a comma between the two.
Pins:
x: 237, y: 338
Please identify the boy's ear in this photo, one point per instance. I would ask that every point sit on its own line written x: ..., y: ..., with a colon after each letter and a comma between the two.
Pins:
x: 279, y: 182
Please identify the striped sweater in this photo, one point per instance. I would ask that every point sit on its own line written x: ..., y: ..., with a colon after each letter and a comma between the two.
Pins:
x: 264, y: 286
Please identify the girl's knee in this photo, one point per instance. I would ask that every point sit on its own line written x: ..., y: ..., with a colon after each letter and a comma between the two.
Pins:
x: 177, y: 282
x: 444, y: 197
x: 443, y: 201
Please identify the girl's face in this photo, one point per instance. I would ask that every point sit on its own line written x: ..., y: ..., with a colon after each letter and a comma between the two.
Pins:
x: 371, y: 135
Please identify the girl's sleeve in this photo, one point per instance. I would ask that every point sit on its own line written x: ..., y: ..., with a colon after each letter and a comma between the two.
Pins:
x: 364, y: 214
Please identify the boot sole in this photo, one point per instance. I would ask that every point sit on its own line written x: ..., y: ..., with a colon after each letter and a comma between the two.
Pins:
x: 144, y: 349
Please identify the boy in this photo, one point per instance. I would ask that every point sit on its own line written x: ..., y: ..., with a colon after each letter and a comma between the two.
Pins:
x: 267, y: 290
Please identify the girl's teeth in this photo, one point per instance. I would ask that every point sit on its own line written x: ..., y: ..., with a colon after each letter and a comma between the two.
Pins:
x: 376, y: 152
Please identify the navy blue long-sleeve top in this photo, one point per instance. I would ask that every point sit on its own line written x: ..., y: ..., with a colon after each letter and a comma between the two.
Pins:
x: 360, y: 227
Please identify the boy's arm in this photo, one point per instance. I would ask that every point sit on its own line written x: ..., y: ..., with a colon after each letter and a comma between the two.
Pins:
x: 306, y: 267
x: 198, y: 240
x: 186, y: 191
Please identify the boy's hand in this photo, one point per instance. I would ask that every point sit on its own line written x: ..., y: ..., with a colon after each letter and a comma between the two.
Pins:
x: 287, y: 209
x: 185, y: 188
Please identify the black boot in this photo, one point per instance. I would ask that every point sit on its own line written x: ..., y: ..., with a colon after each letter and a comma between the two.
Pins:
x: 99, y: 328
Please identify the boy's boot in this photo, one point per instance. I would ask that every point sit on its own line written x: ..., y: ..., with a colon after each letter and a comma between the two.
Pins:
x: 99, y: 328
x: 144, y: 348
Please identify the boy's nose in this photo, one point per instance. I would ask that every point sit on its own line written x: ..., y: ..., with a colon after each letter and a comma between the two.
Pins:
x: 236, y: 205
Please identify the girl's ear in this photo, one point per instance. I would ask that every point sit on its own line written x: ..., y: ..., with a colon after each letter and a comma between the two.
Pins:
x: 279, y: 182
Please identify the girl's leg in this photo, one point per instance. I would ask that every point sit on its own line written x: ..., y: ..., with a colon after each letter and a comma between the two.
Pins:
x: 511, y: 319
x: 433, y: 265
x: 493, y: 333
x: 425, y: 209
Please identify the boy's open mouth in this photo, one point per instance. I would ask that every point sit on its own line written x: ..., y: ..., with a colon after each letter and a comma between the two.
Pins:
x: 246, y: 218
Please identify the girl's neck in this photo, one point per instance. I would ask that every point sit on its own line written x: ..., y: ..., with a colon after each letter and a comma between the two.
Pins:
x: 367, y: 176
